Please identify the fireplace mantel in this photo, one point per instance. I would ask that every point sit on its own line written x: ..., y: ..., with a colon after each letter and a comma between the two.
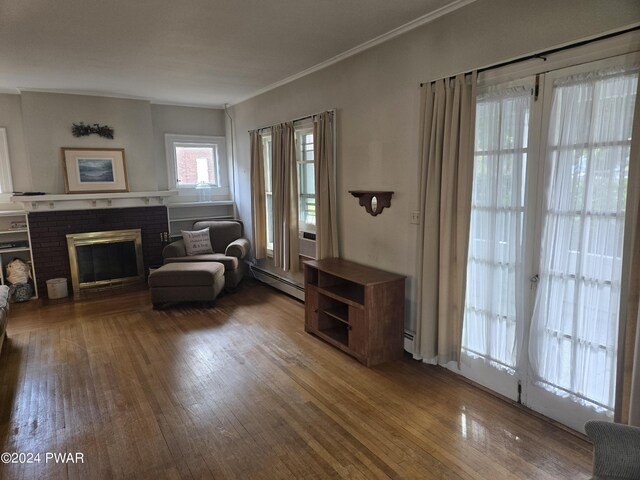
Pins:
x: 89, y: 201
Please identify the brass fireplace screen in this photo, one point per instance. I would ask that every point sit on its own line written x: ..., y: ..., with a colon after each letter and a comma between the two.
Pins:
x: 101, y: 259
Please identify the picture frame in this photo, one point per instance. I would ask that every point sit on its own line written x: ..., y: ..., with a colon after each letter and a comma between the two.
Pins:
x: 94, y: 170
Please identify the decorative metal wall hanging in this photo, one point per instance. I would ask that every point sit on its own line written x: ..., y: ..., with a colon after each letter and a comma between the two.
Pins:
x: 82, y: 130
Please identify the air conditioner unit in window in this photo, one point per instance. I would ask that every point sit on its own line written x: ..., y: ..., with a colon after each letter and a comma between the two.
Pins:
x: 308, y: 236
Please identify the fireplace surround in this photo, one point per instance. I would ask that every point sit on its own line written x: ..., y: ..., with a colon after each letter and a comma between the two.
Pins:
x: 100, y: 259
x: 49, y: 230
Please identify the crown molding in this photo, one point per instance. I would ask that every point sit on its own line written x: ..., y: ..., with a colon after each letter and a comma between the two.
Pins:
x: 165, y: 103
x: 86, y: 93
x: 119, y: 96
x: 412, y: 25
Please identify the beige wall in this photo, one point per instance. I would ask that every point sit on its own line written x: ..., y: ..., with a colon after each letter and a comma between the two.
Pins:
x: 376, y: 96
x: 39, y: 124
x: 48, y: 118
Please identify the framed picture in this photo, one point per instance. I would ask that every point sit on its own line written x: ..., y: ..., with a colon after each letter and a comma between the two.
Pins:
x: 97, y: 170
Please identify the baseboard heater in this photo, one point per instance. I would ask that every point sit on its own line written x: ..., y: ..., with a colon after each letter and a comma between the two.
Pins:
x: 283, y: 284
x: 408, y: 341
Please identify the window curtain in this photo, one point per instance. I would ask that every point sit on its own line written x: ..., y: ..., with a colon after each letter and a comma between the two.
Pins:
x: 258, y: 207
x: 446, y: 173
x: 627, y: 406
x: 285, y: 197
x: 574, y: 329
x: 325, y: 184
x: 494, y: 271
x: 628, y: 388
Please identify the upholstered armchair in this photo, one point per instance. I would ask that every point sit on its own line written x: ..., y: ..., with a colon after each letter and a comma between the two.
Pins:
x: 229, y: 248
x: 616, y: 450
x: 4, y: 307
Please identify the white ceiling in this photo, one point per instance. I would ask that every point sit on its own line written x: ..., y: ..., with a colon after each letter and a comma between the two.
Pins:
x: 192, y: 52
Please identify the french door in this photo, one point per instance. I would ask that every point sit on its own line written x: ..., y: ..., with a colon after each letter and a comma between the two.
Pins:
x: 546, y: 242
x: 493, y: 324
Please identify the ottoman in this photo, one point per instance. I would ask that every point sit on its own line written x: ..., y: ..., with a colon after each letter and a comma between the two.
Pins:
x: 186, y: 282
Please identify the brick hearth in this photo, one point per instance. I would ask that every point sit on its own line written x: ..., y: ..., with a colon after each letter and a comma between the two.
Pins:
x: 49, y: 241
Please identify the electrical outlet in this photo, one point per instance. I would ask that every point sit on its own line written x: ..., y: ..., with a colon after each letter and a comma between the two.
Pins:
x: 415, y: 217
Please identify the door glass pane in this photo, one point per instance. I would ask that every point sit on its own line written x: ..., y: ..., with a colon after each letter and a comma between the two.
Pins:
x: 495, y: 240
x: 574, y: 327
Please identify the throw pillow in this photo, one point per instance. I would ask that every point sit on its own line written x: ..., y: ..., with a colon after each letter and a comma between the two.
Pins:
x: 197, y: 242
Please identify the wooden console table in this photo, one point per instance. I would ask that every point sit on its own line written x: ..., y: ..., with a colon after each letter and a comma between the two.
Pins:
x: 356, y: 308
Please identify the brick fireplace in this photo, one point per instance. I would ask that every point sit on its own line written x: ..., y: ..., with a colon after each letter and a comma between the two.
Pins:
x: 49, y: 230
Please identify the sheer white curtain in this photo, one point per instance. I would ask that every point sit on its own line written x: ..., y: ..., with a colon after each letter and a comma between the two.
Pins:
x: 493, y: 308
x: 575, y: 322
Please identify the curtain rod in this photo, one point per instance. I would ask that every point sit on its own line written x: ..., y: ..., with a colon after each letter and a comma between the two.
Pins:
x: 311, y: 115
x: 551, y: 51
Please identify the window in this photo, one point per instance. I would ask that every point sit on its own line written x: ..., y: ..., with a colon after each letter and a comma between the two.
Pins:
x: 266, y: 151
x: 6, y: 184
x: 197, y: 162
x: 306, y: 180
x: 306, y: 183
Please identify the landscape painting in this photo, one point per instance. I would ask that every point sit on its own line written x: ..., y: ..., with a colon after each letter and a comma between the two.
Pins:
x: 95, y: 170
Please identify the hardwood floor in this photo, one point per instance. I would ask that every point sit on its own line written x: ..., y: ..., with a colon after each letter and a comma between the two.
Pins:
x: 240, y: 391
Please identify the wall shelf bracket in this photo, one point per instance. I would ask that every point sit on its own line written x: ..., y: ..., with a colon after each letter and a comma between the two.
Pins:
x: 374, y: 201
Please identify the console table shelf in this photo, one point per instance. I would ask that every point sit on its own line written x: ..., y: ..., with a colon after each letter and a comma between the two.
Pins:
x: 345, y: 294
x: 356, y: 308
x: 340, y: 314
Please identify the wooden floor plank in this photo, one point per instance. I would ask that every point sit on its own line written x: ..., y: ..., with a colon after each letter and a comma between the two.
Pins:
x: 241, y: 391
